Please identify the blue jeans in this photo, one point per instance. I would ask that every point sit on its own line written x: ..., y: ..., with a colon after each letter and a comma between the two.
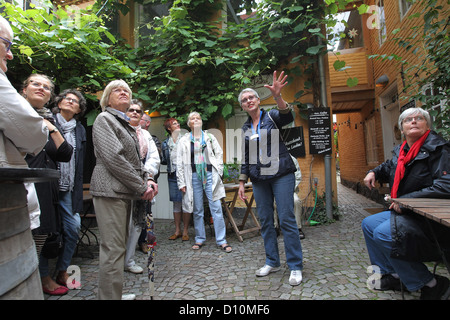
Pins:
x: 71, y: 227
x: 214, y: 206
x: 280, y: 189
x: 377, y: 233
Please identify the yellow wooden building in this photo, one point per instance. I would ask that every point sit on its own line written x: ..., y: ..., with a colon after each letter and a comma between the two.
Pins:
x: 366, y: 115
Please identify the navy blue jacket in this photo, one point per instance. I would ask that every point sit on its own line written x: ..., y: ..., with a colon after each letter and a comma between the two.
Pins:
x: 426, y: 176
x: 264, y: 159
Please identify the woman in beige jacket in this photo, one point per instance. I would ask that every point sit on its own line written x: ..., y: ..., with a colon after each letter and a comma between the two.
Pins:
x: 118, y: 178
x: 199, y: 168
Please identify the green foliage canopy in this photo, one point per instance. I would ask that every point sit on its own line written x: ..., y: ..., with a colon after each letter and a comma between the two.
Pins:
x: 191, y: 61
x: 74, y: 48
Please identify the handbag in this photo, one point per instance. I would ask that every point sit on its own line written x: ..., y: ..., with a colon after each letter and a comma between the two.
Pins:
x: 140, y: 210
x: 53, y: 246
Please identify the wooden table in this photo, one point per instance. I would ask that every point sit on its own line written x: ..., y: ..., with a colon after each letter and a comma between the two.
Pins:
x: 437, y: 210
x: 230, y: 205
x: 434, y: 209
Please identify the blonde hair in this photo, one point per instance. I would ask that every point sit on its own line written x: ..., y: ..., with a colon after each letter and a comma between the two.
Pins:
x: 193, y: 113
x: 104, y: 101
x: 27, y: 81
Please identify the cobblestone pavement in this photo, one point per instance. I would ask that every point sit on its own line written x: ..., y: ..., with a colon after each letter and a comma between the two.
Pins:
x: 335, y: 265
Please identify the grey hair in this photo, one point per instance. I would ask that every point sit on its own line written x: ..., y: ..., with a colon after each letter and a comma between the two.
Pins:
x: 5, y: 23
x: 410, y: 112
x: 109, y: 88
x: 81, y: 102
x: 247, y: 90
x: 146, y: 117
x: 193, y: 113
x: 137, y: 102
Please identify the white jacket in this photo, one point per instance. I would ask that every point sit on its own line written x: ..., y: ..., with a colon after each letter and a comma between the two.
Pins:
x: 184, y: 168
x: 152, y: 160
x: 22, y: 131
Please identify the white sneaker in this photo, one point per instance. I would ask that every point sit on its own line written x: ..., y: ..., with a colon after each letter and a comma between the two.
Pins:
x: 296, y: 277
x: 134, y: 269
x: 264, y: 271
x: 130, y: 296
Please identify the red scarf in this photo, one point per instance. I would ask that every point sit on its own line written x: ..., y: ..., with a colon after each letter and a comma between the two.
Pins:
x: 404, y: 159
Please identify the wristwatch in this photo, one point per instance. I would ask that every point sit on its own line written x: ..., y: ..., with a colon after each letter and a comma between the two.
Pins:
x: 54, y: 130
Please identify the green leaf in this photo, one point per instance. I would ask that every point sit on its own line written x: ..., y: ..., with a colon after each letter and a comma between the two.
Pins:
x: 96, y: 83
x: 300, y: 27
x: 26, y: 50
x: 276, y: 34
x: 351, y: 82
x: 227, y: 110
x: 338, y: 65
x: 219, y: 61
x: 315, y: 30
x: 314, y: 50
x: 91, y: 116
x: 363, y: 8
x: 57, y: 45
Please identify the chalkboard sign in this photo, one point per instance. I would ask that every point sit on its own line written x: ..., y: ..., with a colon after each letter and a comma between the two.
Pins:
x: 319, y: 131
x: 294, y: 141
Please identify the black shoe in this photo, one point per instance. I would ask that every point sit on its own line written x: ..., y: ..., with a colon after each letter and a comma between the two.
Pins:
x: 388, y: 282
x: 302, y: 235
x: 440, y: 291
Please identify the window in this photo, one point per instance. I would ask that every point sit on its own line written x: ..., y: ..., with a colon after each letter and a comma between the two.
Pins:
x: 371, y: 141
x: 382, y: 22
x: 404, y: 6
x: 437, y: 107
x: 347, y: 32
x: 145, y: 13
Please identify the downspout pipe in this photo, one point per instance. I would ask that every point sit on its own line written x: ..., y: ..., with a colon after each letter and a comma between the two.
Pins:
x: 327, y: 159
x: 230, y: 7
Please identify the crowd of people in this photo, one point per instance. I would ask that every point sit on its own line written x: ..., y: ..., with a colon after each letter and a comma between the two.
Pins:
x: 39, y: 130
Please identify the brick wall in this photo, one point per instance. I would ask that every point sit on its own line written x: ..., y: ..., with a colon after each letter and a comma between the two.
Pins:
x: 352, y: 158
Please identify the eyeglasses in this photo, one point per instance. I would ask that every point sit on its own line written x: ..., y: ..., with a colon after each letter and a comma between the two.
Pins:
x: 131, y: 110
x: 249, y: 98
x: 8, y: 44
x: 175, y: 124
x: 411, y: 119
x: 38, y: 85
x: 71, y: 100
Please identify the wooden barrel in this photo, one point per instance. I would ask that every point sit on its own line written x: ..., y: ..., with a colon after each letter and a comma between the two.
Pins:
x: 19, y: 274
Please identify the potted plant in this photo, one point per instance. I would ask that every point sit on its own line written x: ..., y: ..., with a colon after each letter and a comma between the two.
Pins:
x: 231, y: 172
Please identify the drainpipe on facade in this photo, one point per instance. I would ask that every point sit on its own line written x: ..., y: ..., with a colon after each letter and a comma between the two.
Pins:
x: 327, y: 159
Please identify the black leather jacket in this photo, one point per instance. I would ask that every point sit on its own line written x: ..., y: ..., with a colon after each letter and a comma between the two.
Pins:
x: 426, y: 176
